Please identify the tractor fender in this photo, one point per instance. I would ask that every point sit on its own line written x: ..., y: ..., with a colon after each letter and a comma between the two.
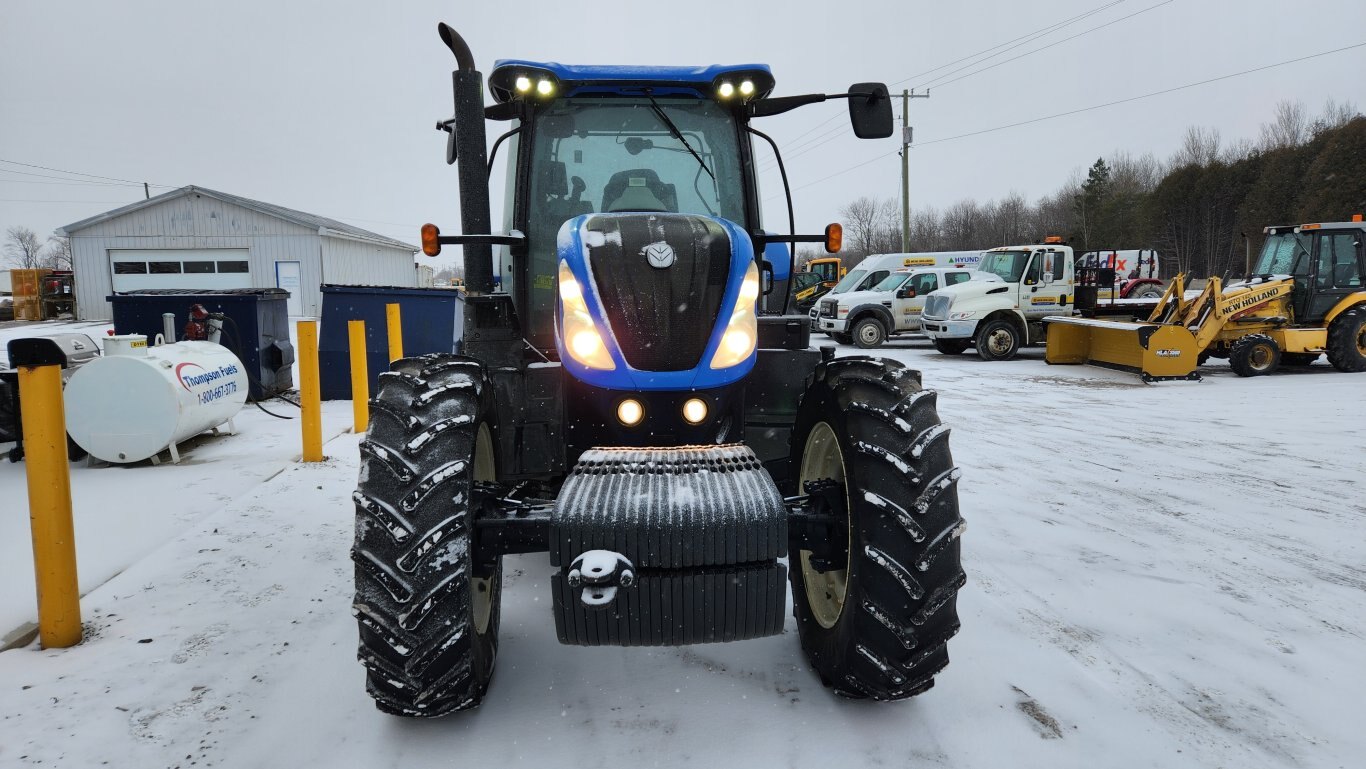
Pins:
x: 883, y: 315
x: 1347, y: 303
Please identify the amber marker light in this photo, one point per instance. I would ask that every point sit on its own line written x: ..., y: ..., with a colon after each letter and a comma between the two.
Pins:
x: 834, y: 238
x: 431, y: 239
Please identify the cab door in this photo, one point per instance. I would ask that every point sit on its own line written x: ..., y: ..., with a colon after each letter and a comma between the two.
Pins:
x: 1337, y: 272
x: 1046, y: 286
x: 910, y: 300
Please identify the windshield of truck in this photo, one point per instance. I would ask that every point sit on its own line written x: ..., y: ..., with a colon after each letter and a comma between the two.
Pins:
x: 850, y: 280
x: 892, y: 282
x: 1007, y: 265
x: 1284, y: 254
x: 607, y: 155
x: 806, y: 280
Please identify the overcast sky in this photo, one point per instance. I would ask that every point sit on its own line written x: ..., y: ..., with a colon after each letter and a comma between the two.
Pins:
x: 329, y: 107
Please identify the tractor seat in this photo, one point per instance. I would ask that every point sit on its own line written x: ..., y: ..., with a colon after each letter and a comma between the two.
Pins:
x: 638, y: 190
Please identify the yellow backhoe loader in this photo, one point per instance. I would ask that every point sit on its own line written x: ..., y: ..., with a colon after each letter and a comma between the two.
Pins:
x: 1305, y: 297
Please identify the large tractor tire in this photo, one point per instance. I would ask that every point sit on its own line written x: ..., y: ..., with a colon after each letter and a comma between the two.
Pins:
x: 998, y: 340
x: 1254, y: 355
x: 1347, y: 341
x: 876, y: 610
x: 428, y: 614
x: 1147, y: 291
x: 869, y: 333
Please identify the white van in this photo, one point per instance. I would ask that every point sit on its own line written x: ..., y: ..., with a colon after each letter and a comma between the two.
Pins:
x: 875, y: 268
x: 893, y: 306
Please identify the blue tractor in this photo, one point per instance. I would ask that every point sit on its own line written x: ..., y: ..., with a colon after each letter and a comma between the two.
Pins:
x: 637, y: 401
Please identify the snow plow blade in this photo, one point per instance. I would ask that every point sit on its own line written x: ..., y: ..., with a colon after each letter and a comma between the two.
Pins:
x: 1156, y: 352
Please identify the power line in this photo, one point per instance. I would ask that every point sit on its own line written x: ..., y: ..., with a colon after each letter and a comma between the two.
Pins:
x: 1087, y: 109
x: 1025, y: 37
x: 934, y: 82
x: 831, y: 135
x: 1146, y: 95
x: 78, y: 173
x: 1030, y: 36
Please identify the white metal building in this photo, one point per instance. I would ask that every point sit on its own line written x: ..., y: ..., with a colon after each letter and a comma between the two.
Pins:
x: 197, y: 238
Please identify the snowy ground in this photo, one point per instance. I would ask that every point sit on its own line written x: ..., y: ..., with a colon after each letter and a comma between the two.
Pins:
x: 1159, y: 576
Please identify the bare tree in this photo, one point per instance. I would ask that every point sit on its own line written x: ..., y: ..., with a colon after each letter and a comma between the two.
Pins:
x: 1289, y: 127
x: 22, y: 248
x: 860, y: 223
x: 1199, y: 147
x: 57, y: 254
x: 1131, y: 174
x: 1335, y: 115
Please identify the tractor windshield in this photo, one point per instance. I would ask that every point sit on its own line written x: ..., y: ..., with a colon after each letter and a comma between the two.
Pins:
x: 609, y: 155
x: 1284, y: 254
x: 1008, y: 265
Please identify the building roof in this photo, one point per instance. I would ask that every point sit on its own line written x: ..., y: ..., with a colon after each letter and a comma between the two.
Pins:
x: 322, y: 224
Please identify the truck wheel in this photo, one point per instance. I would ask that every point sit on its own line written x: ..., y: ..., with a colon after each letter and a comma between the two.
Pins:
x: 869, y: 333
x: 875, y: 602
x: 951, y: 346
x: 841, y: 338
x: 1254, y: 355
x: 1347, y: 341
x: 998, y: 340
x: 428, y: 615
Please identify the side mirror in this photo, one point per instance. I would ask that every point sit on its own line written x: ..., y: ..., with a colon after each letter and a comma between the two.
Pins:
x: 870, y: 110
x: 905, y: 293
x: 1047, y: 278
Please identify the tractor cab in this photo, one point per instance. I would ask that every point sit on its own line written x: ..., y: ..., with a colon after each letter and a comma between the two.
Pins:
x: 1324, y: 260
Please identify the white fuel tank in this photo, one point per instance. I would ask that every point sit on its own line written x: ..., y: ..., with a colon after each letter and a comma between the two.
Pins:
x: 137, y: 401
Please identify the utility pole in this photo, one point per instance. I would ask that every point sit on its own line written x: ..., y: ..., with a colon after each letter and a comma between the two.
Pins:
x: 906, y: 97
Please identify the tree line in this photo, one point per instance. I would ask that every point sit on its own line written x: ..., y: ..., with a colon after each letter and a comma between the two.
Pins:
x: 1203, y: 208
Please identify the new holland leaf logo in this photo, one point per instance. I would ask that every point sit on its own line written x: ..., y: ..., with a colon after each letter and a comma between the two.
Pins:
x: 660, y: 255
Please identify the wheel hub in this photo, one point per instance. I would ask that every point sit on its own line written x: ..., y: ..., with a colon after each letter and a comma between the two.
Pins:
x: 826, y: 588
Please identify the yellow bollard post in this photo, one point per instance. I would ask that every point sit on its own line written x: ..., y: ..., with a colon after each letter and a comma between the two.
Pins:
x: 395, y: 332
x: 310, y: 393
x: 49, y: 504
x: 360, y: 377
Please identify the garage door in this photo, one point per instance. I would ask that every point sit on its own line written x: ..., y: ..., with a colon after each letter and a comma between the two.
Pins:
x: 204, y: 268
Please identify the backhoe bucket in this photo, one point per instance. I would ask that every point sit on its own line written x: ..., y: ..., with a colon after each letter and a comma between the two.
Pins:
x: 1154, y: 351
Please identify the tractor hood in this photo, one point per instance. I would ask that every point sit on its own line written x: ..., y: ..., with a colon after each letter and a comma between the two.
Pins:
x: 660, y: 291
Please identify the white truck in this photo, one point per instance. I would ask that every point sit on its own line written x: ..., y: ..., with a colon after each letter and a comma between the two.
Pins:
x: 868, y: 318
x: 1004, y: 307
x: 875, y: 268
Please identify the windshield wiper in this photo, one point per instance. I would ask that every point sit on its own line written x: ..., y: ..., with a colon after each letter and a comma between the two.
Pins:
x: 673, y: 129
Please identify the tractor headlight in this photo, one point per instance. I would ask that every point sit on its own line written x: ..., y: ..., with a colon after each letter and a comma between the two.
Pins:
x: 742, y: 331
x: 725, y: 90
x: 523, y: 84
x: 581, y: 338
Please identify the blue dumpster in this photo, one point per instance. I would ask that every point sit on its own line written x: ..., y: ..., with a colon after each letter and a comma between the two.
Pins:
x: 433, y: 319
x: 256, y: 328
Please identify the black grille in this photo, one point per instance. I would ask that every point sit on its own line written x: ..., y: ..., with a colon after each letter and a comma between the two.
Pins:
x: 828, y: 308
x: 661, y: 317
